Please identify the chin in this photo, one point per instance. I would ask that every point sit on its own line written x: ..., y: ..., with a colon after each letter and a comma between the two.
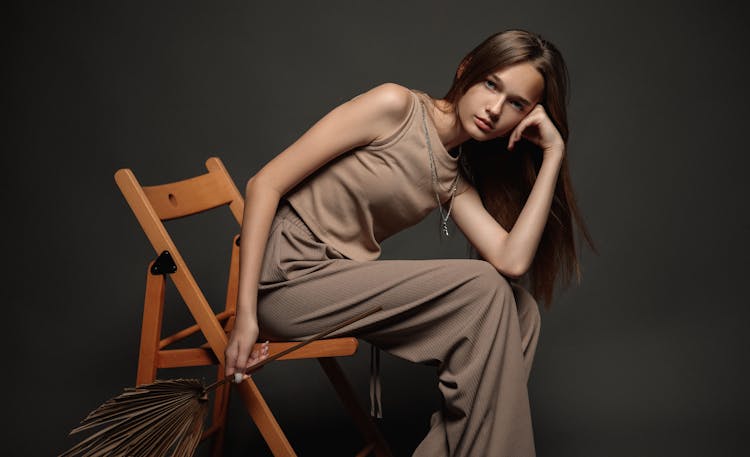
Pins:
x: 476, y: 134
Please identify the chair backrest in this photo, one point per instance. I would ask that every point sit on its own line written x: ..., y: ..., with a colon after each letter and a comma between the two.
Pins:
x: 154, y: 204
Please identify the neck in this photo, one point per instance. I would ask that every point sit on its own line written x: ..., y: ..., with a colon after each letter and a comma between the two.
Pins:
x: 450, y: 131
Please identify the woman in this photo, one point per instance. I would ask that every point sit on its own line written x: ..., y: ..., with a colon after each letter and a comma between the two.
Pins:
x: 491, y: 155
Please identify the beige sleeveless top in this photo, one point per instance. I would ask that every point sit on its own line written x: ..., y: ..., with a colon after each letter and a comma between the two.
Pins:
x: 372, y: 192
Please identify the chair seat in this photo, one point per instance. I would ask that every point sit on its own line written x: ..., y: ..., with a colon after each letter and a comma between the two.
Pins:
x: 203, y: 356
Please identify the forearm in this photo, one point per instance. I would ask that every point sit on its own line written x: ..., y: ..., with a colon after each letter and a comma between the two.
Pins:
x: 260, y: 207
x: 523, y: 239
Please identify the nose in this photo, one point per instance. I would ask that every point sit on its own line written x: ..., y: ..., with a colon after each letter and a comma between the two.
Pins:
x: 495, y: 107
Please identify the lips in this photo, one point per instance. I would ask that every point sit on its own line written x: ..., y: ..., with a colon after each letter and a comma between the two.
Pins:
x: 483, y: 124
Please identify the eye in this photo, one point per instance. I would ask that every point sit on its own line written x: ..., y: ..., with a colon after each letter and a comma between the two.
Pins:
x: 517, y: 105
x: 489, y: 84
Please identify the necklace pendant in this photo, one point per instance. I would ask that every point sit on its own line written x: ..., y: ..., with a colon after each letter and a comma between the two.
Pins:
x: 445, y: 229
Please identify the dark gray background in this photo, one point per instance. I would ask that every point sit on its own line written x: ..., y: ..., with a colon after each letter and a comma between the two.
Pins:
x: 647, y: 357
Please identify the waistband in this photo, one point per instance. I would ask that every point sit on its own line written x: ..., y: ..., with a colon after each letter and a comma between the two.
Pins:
x: 285, y: 211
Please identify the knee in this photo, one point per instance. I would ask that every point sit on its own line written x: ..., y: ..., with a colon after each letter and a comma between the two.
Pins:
x: 528, y: 310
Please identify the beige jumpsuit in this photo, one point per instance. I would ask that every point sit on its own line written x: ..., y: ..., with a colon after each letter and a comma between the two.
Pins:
x: 459, y: 315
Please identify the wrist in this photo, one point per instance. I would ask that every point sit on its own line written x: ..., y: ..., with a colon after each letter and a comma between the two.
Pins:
x: 246, y: 320
x: 554, y: 152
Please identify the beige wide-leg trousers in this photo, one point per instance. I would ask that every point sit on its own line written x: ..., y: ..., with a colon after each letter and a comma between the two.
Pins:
x: 459, y: 315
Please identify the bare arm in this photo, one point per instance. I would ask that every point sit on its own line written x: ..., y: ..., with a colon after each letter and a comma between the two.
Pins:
x: 361, y: 120
x: 512, y: 253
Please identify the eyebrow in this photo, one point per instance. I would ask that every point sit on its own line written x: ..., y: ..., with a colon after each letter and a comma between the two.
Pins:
x: 516, y: 96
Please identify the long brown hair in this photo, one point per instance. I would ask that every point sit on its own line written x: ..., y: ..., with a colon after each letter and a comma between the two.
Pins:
x: 504, y: 178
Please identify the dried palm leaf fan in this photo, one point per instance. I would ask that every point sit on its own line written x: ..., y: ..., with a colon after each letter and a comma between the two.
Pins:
x: 162, y: 417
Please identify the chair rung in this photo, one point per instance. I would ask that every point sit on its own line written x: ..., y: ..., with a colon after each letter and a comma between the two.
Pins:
x: 175, y: 358
x: 186, y: 332
x: 334, y: 347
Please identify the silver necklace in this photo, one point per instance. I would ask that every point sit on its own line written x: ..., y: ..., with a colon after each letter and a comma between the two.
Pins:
x: 435, y: 185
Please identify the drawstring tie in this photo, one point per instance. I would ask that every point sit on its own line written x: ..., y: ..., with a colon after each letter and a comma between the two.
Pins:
x: 376, y: 409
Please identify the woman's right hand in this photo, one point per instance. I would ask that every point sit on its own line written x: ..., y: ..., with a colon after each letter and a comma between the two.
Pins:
x: 238, y: 356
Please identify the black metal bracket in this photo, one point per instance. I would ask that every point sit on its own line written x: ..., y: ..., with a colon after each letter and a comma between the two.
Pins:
x: 164, y: 264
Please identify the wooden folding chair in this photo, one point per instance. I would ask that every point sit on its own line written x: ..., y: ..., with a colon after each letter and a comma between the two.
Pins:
x: 152, y: 205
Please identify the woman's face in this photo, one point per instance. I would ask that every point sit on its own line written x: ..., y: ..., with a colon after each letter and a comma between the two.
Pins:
x: 494, y: 106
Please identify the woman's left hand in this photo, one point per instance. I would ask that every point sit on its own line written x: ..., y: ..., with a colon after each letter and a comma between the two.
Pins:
x: 538, y: 128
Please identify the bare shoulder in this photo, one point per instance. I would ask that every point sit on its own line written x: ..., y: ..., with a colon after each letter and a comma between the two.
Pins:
x: 390, y: 103
x: 393, y: 99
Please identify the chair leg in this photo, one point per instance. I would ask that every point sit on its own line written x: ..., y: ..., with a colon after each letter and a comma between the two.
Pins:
x: 220, y: 412
x: 363, y: 421
x: 153, y: 311
x: 264, y: 420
